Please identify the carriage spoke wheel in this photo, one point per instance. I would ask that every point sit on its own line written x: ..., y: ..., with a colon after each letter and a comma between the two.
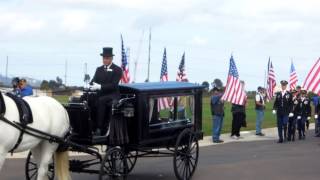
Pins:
x: 31, y: 168
x: 114, y: 165
x: 131, y: 158
x: 185, y: 158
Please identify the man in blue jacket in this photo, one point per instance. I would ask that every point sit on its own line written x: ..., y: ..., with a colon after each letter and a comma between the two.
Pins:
x: 25, y: 89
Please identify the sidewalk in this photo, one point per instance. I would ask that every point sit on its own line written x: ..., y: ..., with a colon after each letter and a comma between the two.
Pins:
x: 246, y: 136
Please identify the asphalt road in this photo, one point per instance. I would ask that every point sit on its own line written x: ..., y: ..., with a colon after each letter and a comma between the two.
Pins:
x: 259, y: 160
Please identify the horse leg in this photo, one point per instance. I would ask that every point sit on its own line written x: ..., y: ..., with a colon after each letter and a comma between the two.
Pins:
x: 46, y: 151
x: 3, y: 155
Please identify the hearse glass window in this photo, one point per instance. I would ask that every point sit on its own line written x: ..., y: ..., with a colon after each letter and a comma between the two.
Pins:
x: 173, y: 109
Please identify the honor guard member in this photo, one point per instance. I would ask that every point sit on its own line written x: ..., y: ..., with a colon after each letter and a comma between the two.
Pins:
x: 292, y: 123
x: 283, y: 109
x: 106, y: 81
x: 303, y: 113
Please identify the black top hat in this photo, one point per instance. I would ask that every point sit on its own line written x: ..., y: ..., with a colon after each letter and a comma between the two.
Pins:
x: 283, y: 82
x: 107, y: 52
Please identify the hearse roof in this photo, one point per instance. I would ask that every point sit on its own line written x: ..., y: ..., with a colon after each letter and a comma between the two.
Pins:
x: 160, y: 86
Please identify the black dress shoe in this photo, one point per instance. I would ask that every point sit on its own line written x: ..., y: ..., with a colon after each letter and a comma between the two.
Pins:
x: 280, y: 141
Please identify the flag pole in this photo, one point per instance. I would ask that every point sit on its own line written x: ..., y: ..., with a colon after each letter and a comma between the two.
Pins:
x: 265, y: 77
x: 149, y: 59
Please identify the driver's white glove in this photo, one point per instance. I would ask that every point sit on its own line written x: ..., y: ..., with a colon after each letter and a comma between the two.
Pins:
x: 274, y: 111
x: 316, y: 116
x: 291, y: 114
x: 308, y: 118
x: 299, y: 117
x: 95, y: 87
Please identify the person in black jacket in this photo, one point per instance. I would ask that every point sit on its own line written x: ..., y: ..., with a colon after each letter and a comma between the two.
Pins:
x: 238, y: 118
x: 106, y: 82
x: 303, y: 113
x: 283, y: 107
x: 292, y: 124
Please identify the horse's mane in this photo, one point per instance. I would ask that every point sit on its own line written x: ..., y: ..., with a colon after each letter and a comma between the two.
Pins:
x: 2, y: 104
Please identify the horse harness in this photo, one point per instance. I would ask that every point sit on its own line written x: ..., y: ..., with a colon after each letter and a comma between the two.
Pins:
x: 25, y: 115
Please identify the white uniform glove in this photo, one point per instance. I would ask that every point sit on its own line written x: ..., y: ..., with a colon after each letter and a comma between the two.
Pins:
x: 274, y: 111
x: 316, y: 116
x: 291, y: 114
x: 308, y: 118
x: 299, y: 117
x: 95, y: 87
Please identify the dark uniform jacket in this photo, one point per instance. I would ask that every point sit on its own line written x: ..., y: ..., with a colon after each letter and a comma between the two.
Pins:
x: 109, y: 79
x: 317, y: 109
x: 303, y: 108
x: 283, y: 104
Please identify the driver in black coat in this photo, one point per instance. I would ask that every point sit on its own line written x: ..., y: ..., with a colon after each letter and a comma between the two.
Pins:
x: 106, y: 82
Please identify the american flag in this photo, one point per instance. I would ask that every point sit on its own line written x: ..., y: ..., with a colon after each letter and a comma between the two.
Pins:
x: 271, y: 81
x: 181, y: 74
x: 312, y: 82
x: 163, y: 103
x: 293, y: 77
x: 234, y: 92
x: 124, y: 65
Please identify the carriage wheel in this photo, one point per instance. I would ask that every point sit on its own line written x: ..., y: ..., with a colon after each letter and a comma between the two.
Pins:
x: 131, y: 158
x: 114, y: 165
x: 31, y: 169
x: 186, y: 153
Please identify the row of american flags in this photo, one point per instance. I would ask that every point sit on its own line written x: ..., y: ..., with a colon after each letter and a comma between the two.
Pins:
x: 235, y: 92
x: 311, y: 83
x: 235, y: 88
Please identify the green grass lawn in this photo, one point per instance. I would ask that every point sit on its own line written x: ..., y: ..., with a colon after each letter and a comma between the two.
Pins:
x: 269, y: 120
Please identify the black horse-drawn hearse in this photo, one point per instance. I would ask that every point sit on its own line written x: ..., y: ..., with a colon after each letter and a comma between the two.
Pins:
x: 150, y: 120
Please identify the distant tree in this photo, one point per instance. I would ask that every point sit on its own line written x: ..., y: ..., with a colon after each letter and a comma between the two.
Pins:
x: 53, y: 84
x: 44, y: 85
x: 86, y: 78
x: 59, y: 81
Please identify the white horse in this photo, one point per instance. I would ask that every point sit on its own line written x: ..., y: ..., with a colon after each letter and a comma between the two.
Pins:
x: 49, y: 116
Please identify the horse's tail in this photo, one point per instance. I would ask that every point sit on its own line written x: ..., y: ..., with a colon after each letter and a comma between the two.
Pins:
x: 62, y: 165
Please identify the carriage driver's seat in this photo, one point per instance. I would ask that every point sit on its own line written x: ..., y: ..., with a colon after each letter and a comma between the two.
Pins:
x: 104, y: 130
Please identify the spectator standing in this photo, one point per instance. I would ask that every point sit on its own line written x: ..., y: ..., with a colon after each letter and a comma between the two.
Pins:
x: 26, y: 90
x: 260, y: 107
x: 217, y: 111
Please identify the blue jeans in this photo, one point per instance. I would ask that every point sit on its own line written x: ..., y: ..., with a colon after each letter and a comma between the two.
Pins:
x: 217, y: 122
x: 282, y: 121
x: 259, y: 119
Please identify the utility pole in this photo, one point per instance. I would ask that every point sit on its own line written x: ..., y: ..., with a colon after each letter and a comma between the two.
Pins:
x: 149, y: 59
x: 65, y: 72
x: 7, y: 69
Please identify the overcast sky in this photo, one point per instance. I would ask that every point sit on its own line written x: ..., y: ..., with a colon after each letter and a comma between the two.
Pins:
x: 40, y: 35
